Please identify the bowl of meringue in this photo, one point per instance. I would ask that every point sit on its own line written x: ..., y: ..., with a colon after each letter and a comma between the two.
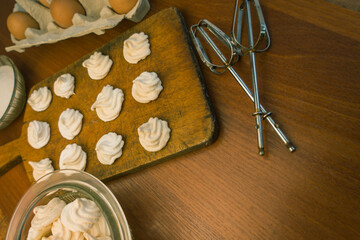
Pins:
x: 68, y: 204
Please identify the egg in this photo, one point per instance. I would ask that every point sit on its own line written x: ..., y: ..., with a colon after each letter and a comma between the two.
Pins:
x: 63, y: 11
x: 46, y: 3
x: 18, y: 22
x: 122, y: 6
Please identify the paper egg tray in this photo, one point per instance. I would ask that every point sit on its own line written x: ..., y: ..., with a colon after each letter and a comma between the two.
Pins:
x: 99, y: 16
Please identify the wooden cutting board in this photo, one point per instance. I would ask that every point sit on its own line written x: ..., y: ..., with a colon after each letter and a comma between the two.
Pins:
x: 183, y: 103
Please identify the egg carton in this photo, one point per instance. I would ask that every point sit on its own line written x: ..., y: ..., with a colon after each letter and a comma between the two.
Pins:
x: 99, y: 17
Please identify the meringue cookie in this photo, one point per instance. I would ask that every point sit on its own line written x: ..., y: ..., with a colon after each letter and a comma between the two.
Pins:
x: 41, y: 168
x: 64, y: 86
x: 38, y: 134
x: 45, y: 215
x: 51, y: 237
x: 72, y: 157
x: 36, y: 234
x: 104, y: 238
x: 91, y: 237
x: 146, y: 87
x: 100, y: 228
x: 80, y: 215
x: 108, y: 103
x: 40, y: 99
x: 109, y: 148
x: 77, y: 236
x: 154, y: 134
x: 60, y: 232
x: 70, y: 123
x: 136, y: 48
x: 98, y: 65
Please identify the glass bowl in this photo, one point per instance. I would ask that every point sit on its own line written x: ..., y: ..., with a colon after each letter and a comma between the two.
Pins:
x: 68, y: 185
x: 18, y: 97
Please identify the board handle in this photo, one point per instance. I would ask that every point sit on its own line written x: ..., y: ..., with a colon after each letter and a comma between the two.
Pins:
x: 10, y: 155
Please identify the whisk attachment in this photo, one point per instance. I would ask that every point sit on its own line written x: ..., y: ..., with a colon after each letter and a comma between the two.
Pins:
x: 237, y: 49
x: 263, y: 39
x: 234, y: 54
x: 250, y: 50
x: 265, y: 115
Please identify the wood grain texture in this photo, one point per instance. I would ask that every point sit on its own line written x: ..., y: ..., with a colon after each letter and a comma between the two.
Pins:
x: 12, y: 193
x: 10, y: 155
x: 350, y: 4
x: 308, y: 79
x: 3, y: 225
x: 182, y: 103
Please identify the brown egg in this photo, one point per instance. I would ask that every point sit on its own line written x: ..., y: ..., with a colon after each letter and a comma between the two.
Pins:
x: 63, y: 11
x: 122, y: 6
x: 18, y: 22
x: 45, y: 3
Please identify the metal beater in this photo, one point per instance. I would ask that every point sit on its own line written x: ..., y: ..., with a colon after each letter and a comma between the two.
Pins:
x: 237, y: 49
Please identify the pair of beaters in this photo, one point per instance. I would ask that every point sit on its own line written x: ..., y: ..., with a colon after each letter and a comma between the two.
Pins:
x: 236, y: 47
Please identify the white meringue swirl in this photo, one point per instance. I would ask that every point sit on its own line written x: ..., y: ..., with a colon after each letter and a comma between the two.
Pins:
x: 98, y: 65
x: 36, y: 234
x: 88, y: 236
x: 146, y: 87
x: 72, y: 157
x: 104, y: 238
x: 40, y: 99
x: 136, y: 48
x: 70, y: 123
x: 108, y: 103
x: 59, y: 231
x: 77, y: 236
x: 41, y: 168
x: 45, y: 215
x: 38, y: 134
x: 100, y: 228
x: 91, y: 237
x: 64, y: 86
x: 109, y: 148
x: 51, y: 237
x: 80, y: 215
x: 154, y: 134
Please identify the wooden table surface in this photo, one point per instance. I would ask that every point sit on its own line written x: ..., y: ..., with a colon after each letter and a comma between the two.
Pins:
x: 309, y: 79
